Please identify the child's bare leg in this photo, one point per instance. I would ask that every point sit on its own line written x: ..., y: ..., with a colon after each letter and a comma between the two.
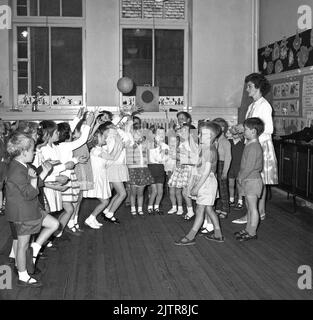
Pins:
x: 50, y: 225
x: 215, y: 221
x: 153, y: 195
x: 100, y: 207
x: 74, y: 218
x: 262, y: 201
x: 13, y: 252
x: 172, y: 192
x: 159, y: 194
x: 22, y: 245
x: 140, y: 190
x: 253, y: 216
x: 116, y: 200
x: 179, y: 198
x: 231, y: 187
x: 197, y: 223
x: 248, y: 213
x: 133, y: 195
x: 188, y: 201
x: 66, y: 215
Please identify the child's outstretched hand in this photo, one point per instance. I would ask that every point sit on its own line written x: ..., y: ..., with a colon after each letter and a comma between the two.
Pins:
x: 47, y: 166
x: 194, y: 191
x: 61, y: 179
x: 69, y: 165
x: 90, y: 118
x: 32, y: 173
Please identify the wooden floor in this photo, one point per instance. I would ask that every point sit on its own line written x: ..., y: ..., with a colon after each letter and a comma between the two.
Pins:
x: 138, y: 260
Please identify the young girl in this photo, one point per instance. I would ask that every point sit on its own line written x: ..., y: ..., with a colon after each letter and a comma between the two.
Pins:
x: 65, y: 148
x: 137, y: 162
x: 23, y: 208
x: 224, y: 160
x: 237, y: 146
x: 99, y: 163
x: 117, y: 173
x: 186, y: 157
x: 157, y: 158
x: 204, y: 187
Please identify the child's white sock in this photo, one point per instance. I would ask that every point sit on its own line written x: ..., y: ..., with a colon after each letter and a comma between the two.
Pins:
x: 240, y: 201
x: 109, y: 214
x: 76, y: 219
x: 139, y: 209
x: 150, y: 207
x: 133, y: 209
x: 173, y: 210
x: 36, y: 248
x: 190, y: 211
x: 156, y: 206
x: 180, y: 210
x: 24, y: 276
x: 231, y: 199
x: 105, y: 211
x: 12, y: 255
x: 71, y: 223
x: 59, y: 234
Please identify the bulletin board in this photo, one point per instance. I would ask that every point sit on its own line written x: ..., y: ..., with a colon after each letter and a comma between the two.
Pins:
x: 291, y: 98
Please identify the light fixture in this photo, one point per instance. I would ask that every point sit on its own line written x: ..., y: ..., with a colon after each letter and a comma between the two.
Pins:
x: 24, y: 33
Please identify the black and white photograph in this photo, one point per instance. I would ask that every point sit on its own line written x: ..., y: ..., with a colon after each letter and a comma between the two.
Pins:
x: 156, y: 154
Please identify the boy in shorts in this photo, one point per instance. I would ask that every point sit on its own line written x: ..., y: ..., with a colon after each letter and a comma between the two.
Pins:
x: 249, y: 177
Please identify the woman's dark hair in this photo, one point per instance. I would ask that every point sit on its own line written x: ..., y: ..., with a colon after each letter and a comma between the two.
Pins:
x: 222, y: 123
x: 260, y: 82
x: 64, y: 131
x: 255, y: 123
x: 186, y: 114
x: 137, y: 118
x: 46, y: 127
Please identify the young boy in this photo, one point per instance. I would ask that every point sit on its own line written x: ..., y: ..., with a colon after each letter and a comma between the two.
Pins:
x: 249, y: 177
x: 23, y: 207
x: 204, y: 188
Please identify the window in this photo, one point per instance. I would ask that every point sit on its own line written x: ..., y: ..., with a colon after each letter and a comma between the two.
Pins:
x: 47, y: 58
x: 154, y: 48
x: 52, y: 8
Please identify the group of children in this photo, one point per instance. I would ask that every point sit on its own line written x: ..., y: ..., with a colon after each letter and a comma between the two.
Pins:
x: 51, y: 167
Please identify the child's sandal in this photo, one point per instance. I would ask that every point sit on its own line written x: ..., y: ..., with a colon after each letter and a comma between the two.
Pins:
x: 247, y: 237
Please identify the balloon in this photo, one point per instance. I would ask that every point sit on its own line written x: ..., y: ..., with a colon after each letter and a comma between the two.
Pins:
x: 125, y: 85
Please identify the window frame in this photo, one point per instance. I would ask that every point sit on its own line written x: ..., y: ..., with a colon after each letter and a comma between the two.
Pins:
x: 51, y: 22
x: 153, y: 24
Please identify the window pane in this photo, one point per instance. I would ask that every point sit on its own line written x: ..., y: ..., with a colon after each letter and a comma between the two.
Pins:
x: 22, y: 86
x: 152, y: 9
x: 22, y: 69
x: 39, y: 40
x: 169, y: 67
x: 21, y: 7
x: 22, y: 50
x: 137, y: 56
x: 49, y: 7
x: 131, y: 9
x: 33, y: 7
x: 72, y: 8
x: 22, y: 34
x: 174, y: 9
x: 66, y: 61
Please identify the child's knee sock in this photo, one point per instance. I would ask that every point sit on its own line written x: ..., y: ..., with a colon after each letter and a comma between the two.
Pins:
x: 24, y: 276
x: 36, y: 248
x: 12, y: 254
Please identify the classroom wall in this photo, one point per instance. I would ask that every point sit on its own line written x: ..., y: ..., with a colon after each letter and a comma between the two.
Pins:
x: 222, y: 47
x: 102, y: 52
x: 279, y: 18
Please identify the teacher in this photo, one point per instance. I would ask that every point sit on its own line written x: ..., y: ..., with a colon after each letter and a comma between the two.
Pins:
x: 257, y: 87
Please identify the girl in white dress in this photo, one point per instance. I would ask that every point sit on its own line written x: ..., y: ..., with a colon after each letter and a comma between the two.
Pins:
x: 65, y: 149
x: 100, y: 160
